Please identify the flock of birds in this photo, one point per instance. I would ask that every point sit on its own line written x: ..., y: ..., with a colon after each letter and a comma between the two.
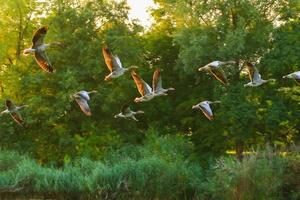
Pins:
x: 116, y: 69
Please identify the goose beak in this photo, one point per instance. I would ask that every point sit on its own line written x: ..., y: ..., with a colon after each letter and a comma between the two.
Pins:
x: 107, y: 78
x: 194, y: 107
x: 200, y: 69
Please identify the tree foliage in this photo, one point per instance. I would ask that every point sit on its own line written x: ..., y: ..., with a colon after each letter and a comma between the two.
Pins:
x: 186, y: 34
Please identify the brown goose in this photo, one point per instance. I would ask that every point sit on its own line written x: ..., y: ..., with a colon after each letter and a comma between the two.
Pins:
x: 127, y: 113
x: 158, y: 90
x: 82, y: 97
x: 294, y: 75
x: 13, y: 110
x: 39, y: 49
x: 114, y: 64
x: 204, y: 106
x: 144, y: 89
x: 254, y: 76
x: 215, y: 69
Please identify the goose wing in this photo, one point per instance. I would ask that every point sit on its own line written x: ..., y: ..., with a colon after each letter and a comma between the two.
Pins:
x: 142, y: 86
x: 39, y: 35
x: 15, y: 114
x: 156, y: 80
x: 219, y: 74
x: 43, y: 61
x: 125, y: 109
x: 108, y: 58
x: 17, y: 117
x: 84, y: 106
x: 10, y: 105
x: 207, y: 111
x: 112, y: 62
x: 253, y: 72
x: 117, y: 63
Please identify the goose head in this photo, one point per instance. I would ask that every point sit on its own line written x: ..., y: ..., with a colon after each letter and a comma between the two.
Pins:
x: 26, y: 52
x: 92, y: 92
x: 117, y: 116
x: 289, y: 76
x: 138, y: 99
x: 201, y: 69
x: 196, y: 106
x: 108, y: 78
x: 133, y: 67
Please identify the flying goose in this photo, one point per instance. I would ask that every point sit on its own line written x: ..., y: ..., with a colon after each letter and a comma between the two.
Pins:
x: 255, y: 77
x: 158, y: 90
x: 126, y: 113
x: 13, y: 110
x: 82, y: 98
x: 114, y: 65
x: 39, y: 49
x: 215, y: 69
x: 204, y: 106
x: 294, y: 75
x: 144, y: 89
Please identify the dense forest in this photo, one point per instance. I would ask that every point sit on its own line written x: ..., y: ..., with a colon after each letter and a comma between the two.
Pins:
x: 250, y: 150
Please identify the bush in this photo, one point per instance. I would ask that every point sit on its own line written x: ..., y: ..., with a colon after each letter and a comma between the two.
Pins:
x: 162, y: 168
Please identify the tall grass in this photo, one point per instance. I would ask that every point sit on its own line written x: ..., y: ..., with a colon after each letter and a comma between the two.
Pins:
x: 162, y: 168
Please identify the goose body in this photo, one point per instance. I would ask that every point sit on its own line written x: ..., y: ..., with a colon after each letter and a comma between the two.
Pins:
x: 158, y: 90
x: 82, y: 98
x: 204, y: 106
x: 39, y: 48
x: 114, y: 64
x: 13, y: 110
x: 254, y: 76
x: 215, y: 68
x: 127, y: 113
x: 144, y: 89
x: 294, y: 75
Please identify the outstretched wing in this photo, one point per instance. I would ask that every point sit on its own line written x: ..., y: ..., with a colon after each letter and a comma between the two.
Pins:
x: 43, y: 61
x: 125, y: 109
x: 253, y: 72
x: 156, y: 80
x: 112, y: 62
x: 207, y: 111
x: 17, y: 117
x: 219, y: 74
x: 250, y: 69
x: 10, y: 105
x: 39, y: 36
x: 108, y: 58
x: 142, y: 86
x: 84, y: 106
x: 117, y: 63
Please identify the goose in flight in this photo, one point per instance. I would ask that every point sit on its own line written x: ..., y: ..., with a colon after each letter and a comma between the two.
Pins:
x: 114, y: 65
x: 127, y: 113
x: 294, y: 75
x: 82, y: 98
x: 13, y: 110
x: 158, y: 90
x: 144, y: 89
x: 204, y: 106
x: 38, y: 48
x: 255, y: 77
x: 215, y: 68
